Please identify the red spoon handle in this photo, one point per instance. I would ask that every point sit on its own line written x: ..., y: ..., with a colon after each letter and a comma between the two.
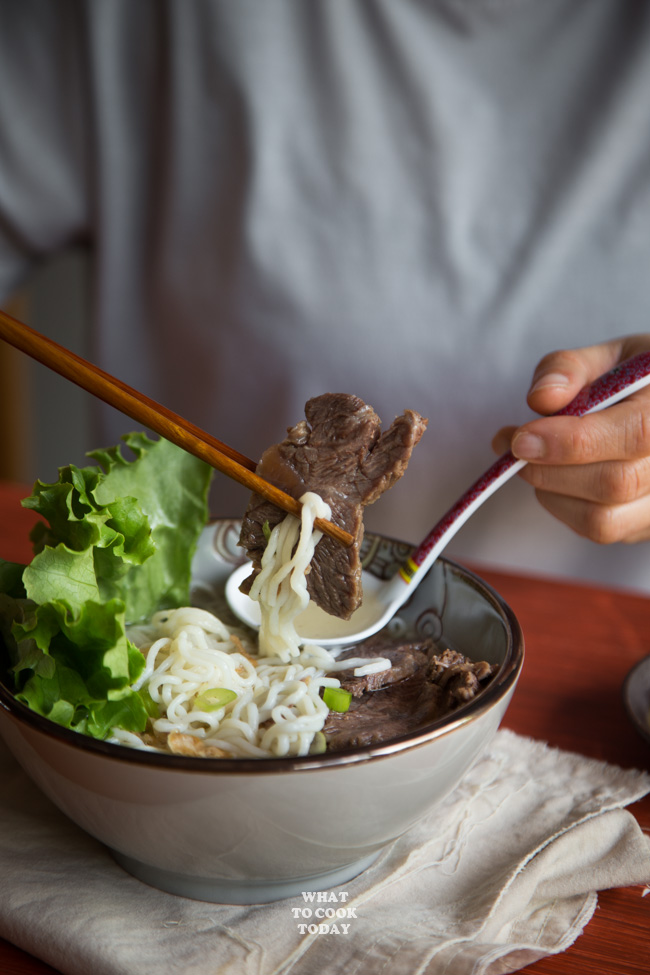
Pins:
x: 613, y: 386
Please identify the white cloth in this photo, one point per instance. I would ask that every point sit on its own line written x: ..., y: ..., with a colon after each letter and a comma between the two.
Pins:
x: 504, y: 872
x: 410, y: 201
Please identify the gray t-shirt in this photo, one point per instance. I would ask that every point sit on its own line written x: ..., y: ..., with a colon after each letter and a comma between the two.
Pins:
x: 407, y: 200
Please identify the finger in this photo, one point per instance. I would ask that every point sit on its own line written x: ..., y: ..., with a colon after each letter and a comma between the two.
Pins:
x: 621, y: 432
x: 610, y: 483
x: 560, y: 375
x: 501, y: 440
x: 605, y: 524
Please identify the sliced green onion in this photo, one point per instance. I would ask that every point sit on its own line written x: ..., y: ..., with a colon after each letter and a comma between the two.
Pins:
x: 319, y: 744
x: 214, y: 698
x: 266, y: 528
x: 337, y: 699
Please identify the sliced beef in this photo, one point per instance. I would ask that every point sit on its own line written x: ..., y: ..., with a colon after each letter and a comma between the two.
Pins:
x: 406, y: 660
x: 340, y: 453
x: 426, y: 686
x: 459, y: 678
x: 379, y: 716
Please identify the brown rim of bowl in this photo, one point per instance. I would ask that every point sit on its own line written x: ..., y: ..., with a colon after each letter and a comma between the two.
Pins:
x: 497, y: 689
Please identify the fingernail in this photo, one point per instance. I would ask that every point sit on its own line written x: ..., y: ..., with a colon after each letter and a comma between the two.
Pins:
x: 550, y: 379
x: 528, y: 446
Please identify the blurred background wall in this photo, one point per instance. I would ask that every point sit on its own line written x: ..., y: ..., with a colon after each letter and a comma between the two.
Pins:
x: 44, y: 420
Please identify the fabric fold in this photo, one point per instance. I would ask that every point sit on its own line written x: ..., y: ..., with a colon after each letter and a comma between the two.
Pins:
x: 504, y: 872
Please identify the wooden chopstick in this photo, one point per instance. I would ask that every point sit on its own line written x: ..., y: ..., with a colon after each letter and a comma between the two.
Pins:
x: 153, y: 415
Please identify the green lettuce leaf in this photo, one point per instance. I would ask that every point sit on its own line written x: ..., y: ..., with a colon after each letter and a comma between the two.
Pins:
x: 116, y: 544
x: 11, y: 579
x: 141, y: 517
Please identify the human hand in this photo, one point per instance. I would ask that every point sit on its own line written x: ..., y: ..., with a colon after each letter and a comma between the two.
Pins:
x: 591, y: 472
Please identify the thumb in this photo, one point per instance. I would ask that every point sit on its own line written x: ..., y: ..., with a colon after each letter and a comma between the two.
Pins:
x: 561, y: 375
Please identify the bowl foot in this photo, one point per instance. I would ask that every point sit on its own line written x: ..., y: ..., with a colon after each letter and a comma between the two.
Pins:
x: 218, y: 890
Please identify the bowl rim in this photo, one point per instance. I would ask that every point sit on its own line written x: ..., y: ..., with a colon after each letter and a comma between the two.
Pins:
x: 498, y: 688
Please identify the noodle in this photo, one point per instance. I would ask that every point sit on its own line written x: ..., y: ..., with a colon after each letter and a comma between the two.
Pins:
x: 278, y: 708
x: 275, y: 707
x: 280, y: 587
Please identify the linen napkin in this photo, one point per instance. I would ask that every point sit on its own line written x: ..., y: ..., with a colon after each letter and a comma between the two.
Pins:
x: 504, y: 872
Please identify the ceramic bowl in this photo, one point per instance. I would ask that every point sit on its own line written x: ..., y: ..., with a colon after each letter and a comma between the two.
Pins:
x: 255, y: 830
x: 636, y: 697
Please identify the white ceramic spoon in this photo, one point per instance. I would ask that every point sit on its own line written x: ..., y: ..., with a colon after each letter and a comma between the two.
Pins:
x: 381, y: 598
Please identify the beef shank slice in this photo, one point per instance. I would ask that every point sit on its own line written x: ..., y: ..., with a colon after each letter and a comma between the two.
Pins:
x: 340, y: 453
x: 406, y: 660
x: 422, y: 686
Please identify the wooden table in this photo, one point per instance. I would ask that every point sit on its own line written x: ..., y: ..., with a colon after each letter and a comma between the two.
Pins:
x: 580, y: 643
